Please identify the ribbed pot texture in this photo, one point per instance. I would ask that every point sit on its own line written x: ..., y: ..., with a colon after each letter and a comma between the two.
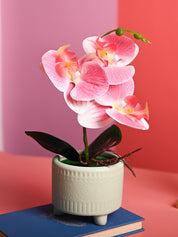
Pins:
x: 87, y: 191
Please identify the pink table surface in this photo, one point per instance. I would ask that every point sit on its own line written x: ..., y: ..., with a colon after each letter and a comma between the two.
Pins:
x: 25, y: 181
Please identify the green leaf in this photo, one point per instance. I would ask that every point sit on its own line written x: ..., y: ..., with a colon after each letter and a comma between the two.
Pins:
x: 109, y: 138
x: 54, y: 144
x: 105, y: 156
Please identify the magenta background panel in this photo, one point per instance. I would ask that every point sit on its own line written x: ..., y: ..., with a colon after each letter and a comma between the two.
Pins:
x: 30, y: 101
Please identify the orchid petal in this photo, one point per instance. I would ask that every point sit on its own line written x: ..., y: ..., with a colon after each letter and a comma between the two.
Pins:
x: 61, y: 69
x: 64, y: 55
x: 131, y: 100
x: 49, y: 61
x: 76, y: 106
x: 93, y: 82
x: 89, y: 44
x: 95, y: 116
x: 89, y: 57
x: 142, y: 112
x: 129, y: 121
x: 126, y: 50
x: 117, y: 75
x: 116, y: 93
x: 131, y: 104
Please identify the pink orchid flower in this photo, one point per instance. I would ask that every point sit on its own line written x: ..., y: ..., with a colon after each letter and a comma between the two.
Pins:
x: 115, y: 74
x: 120, y: 105
x: 111, y: 50
x: 130, y: 113
x: 63, y: 69
x: 113, y: 53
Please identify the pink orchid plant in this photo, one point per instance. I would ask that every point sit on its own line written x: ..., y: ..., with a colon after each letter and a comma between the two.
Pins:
x: 99, y: 88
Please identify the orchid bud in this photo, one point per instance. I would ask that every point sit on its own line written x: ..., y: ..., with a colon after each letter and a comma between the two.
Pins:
x: 119, y: 31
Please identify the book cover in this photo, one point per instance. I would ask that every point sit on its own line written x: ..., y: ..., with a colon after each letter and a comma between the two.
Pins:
x: 40, y: 221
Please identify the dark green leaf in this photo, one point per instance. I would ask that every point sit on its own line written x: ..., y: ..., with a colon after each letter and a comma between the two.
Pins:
x: 105, y: 156
x: 109, y: 138
x: 129, y: 167
x: 54, y: 144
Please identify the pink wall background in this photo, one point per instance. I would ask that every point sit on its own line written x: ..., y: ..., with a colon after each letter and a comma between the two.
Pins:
x: 156, y: 82
x: 29, y: 100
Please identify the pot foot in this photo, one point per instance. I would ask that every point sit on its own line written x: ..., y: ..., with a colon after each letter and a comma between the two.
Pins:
x: 56, y: 212
x: 100, y: 220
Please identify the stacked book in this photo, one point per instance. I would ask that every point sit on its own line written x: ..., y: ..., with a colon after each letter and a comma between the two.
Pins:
x: 40, y: 221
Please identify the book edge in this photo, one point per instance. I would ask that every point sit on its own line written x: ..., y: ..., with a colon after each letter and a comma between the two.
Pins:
x: 117, y: 231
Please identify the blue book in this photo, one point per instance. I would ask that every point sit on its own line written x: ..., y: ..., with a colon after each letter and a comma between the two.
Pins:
x: 40, y: 221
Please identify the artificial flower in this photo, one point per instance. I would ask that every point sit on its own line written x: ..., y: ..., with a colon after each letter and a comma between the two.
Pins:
x: 99, y: 87
x: 111, y: 50
x: 114, y: 54
x: 120, y: 105
x: 62, y: 68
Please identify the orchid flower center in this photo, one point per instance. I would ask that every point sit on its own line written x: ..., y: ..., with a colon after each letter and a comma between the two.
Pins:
x: 130, y: 108
x: 72, y: 71
x: 67, y: 65
x: 106, y: 56
x: 106, y: 52
x: 123, y: 108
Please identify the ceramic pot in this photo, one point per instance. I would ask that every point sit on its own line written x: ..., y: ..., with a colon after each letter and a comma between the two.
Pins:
x: 87, y: 191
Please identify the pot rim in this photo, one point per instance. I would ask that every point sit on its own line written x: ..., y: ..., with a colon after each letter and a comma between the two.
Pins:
x: 57, y: 162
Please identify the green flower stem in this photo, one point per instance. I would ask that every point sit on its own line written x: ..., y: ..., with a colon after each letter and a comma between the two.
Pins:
x: 85, y: 140
x: 119, y: 31
x: 108, y: 33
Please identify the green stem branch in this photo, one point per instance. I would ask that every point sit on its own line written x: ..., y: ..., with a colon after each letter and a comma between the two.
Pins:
x: 85, y: 140
x: 109, y: 32
x: 119, y: 31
